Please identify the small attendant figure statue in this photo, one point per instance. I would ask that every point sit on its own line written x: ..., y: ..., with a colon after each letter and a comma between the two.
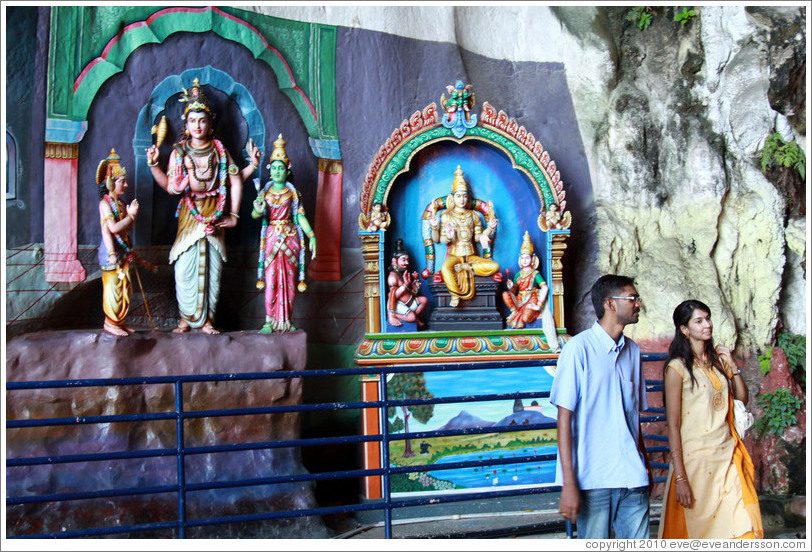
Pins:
x: 461, y: 227
x: 526, y: 296
x: 281, y: 244
x: 203, y: 173
x: 378, y: 218
x: 117, y: 219
x: 403, y: 301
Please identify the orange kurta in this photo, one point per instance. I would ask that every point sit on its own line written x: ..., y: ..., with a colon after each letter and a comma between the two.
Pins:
x: 717, y: 465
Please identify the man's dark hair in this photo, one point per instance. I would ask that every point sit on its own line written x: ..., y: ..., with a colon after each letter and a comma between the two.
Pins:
x: 606, y: 286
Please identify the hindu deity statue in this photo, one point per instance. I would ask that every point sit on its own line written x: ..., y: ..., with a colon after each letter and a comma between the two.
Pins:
x: 404, y: 301
x: 202, y: 172
x: 526, y: 296
x: 460, y: 228
x: 282, y: 242
x: 115, y: 251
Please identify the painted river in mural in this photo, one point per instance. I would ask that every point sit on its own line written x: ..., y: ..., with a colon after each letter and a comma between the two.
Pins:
x: 525, y: 473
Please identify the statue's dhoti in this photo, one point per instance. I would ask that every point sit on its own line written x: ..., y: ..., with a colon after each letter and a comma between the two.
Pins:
x: 460, y: 279
x: 116, y: 294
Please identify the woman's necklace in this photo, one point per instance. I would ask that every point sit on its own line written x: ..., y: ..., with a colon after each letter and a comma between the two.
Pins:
x: 717, y: 401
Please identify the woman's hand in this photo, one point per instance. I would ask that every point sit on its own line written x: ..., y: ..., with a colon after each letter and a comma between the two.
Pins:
x: 685, y: 495
x: 724, y: 354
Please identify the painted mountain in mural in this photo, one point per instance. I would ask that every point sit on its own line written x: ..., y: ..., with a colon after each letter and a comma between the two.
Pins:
x: 525, y: 417
x: 466, y: 420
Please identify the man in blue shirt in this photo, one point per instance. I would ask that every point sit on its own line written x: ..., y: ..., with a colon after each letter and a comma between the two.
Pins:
x: 599, y: 389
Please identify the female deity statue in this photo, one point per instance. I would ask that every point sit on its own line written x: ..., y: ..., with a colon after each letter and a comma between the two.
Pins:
x: 115, y: 251
x: 526, y: 296
x: 461, y: 227
x: 281, y: 245
x: 205, y: 176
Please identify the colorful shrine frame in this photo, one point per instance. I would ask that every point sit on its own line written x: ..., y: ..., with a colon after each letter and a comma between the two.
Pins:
x: 508, y: 172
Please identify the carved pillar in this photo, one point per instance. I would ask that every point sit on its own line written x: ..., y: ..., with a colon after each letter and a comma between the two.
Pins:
x: 326, y: 266
x: 557, y: 251
x: 371, y: 251
x: 372, y: 426
x: 60, y: 213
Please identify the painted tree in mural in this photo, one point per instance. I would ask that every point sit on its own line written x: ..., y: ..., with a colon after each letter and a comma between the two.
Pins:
x: 411, y: 385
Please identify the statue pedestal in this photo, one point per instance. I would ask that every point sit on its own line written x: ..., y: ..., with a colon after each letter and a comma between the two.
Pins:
x: 478, y: 313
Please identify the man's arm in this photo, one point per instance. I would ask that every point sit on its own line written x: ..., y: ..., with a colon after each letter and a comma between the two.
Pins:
x: 570, y: 492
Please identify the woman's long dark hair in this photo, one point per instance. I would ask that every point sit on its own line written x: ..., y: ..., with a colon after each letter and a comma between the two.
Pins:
x: 681, y: 347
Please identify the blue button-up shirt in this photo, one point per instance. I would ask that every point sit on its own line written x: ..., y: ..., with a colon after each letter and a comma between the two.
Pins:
x: 602, y: 383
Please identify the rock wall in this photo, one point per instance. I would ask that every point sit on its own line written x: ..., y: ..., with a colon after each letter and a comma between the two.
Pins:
x: 90, y: 355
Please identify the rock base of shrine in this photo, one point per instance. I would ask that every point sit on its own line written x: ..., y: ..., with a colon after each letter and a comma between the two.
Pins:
x: 84, y: 355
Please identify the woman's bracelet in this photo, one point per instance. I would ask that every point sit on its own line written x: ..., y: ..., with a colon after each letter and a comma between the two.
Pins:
x: 679, y: 478
x: 152, y: 164
x: 234, y: 215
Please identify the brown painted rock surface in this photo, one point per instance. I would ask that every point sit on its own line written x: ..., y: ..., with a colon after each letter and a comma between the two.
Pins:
x: 93, y: 354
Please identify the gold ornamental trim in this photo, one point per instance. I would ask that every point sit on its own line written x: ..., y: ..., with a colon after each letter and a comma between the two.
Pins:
x: 61, y: 150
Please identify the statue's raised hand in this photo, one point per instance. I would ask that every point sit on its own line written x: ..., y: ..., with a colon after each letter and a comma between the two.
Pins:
x: 152, y: 154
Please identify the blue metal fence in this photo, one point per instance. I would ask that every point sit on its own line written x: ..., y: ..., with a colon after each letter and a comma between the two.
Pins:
x: 181, y: 451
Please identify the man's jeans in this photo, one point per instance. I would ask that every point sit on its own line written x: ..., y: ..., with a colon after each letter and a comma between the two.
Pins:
x: 624, y: 510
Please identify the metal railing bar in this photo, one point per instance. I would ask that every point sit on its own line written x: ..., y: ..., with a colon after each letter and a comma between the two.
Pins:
x: 78, y: 533
x: 102, y: 419
x: 89, y: 457
x: 473, y: 431
x: 474, y: 463
x: 461, y: 497
x: 84, y: 495
x: 281, y: 374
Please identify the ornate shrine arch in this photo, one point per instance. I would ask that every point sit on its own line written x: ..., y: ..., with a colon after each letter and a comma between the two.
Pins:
x: 424, y: 129
x: 166, y: 22
x: 425, y: 136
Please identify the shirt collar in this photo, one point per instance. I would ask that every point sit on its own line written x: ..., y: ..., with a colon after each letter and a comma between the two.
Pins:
x: 606, y: 341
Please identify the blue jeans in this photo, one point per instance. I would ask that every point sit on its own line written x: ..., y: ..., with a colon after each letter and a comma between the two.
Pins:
x: 624, y: 510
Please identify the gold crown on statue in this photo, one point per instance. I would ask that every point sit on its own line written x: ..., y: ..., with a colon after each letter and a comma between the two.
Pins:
x: 459, y: 182
x: 279, y: 153
x: 195, y: 99
x: 527, y: 245
x: 110, y: 170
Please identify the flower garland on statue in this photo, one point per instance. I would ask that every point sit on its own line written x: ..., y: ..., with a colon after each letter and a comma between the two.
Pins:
x: 125, y: 245
x: 221, y: 190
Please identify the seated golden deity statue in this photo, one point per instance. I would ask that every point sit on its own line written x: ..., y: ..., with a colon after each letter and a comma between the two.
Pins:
x: 459, y: 227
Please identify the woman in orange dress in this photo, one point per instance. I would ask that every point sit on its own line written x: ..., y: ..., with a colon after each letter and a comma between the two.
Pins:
x: 710, y: 491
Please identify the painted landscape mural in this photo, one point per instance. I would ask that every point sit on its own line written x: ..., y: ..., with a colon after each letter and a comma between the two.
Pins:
x: 481, y: 446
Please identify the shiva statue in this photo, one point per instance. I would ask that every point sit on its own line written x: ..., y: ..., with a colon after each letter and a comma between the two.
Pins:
x: 282, y: 242
x: 202, y: 172
x: 115, y: 251
x: 459, y: 227
x: 526, y: 296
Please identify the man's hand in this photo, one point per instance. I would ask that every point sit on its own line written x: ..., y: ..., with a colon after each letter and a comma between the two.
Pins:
x: 569, y: 501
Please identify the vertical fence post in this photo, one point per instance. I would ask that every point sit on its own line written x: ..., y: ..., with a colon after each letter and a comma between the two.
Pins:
x: 180, y: 459
x: 387, y: 498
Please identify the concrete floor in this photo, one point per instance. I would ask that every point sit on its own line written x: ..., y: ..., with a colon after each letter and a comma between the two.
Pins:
x: 524, y: 517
